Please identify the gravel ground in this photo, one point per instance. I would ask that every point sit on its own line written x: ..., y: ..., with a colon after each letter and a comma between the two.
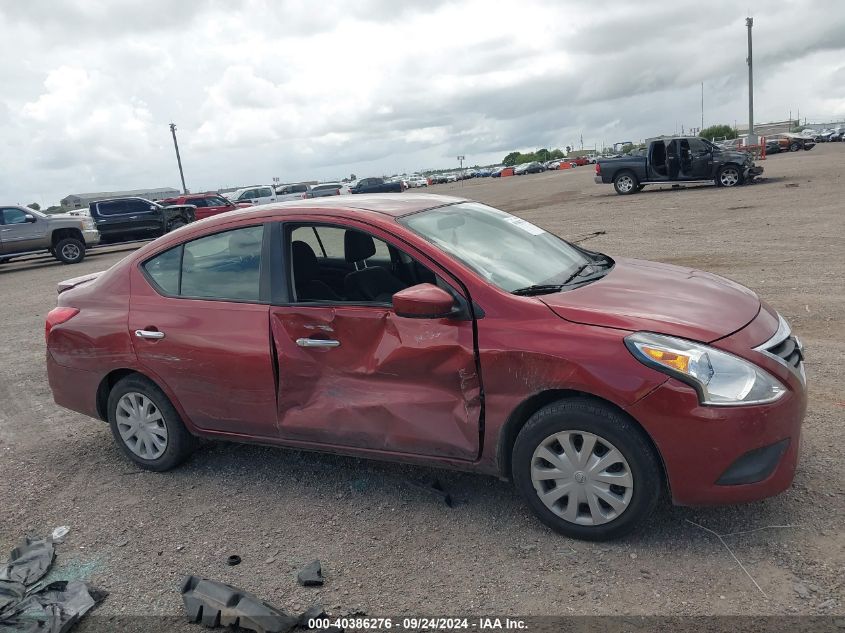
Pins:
x: 390, y: 549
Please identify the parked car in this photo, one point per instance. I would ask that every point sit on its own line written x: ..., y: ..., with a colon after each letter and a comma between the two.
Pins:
x: 497, y: 173
x: 323, y: 190
x: 437, y: 179
x: 773, y: 146
x: 792, y: 142
x: 121, y: 219
x: 418, y: 182
x: 205, y: 204
x: 376, y: 185
x: 25, y: 231
x: 529, y: 168
x: 597, y: 384
x: 677, y: 159
x: 579, y: 161
x: 259, y: 194
x: 451, y: 178
x: 293, y: 191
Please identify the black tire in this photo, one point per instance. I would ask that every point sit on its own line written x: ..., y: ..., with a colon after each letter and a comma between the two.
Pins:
x: 794, y: 147
x: 626, y: 183
x: 69, y: 250
x: 729, y: 175
x: 590, y: 416
x: 179, y: 444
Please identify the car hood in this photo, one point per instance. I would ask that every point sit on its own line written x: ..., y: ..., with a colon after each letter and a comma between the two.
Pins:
x: 643, y: 295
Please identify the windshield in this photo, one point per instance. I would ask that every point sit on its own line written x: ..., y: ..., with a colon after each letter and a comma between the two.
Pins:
x: 506, y: 250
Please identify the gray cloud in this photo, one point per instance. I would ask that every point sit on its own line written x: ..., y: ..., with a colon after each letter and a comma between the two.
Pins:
x: 298, y: 89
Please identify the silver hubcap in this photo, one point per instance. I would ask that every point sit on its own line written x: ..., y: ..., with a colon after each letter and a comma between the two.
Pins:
x: 582, y: 477
x: 626, y: 183
x: 141, y: 426
x: 729, y: 177
x: 70, y: 251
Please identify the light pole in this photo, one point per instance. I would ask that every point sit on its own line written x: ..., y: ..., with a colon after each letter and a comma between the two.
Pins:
x: 178, y: 158
x: 752, y: 137
x: 461, y: 160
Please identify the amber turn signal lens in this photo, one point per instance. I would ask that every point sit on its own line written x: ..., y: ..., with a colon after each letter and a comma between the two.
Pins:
x: 669, y: 359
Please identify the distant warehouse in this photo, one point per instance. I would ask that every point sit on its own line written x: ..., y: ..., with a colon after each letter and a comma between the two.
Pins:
x: 82, y: 200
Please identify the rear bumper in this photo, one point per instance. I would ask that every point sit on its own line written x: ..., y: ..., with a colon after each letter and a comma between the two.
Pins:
x: 598, y: 180
x: 723, y: 455
x: 92, y: 237
x: 73, y: 389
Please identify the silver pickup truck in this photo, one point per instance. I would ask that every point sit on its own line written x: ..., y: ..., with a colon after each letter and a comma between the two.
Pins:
x: 25, y: 231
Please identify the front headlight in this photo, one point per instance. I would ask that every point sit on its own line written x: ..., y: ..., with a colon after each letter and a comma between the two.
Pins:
x: 718, y: 377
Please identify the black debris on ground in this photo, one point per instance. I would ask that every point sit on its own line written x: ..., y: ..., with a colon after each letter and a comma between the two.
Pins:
x: 55, y: 608
x: 29, y: 561
x: 311, y: 575
x: 434, y: 487
x: 214, y: 604
x: 233, y: 560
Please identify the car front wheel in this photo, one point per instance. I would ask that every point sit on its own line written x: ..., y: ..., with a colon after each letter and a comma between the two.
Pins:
x: 586, y: 470
x: 794, y: 147
x: 146, y: 426
x: 69, y: 250
x: 729, y: 176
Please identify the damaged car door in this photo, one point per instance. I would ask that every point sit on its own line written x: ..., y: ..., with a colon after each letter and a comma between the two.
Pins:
x: 351, y: 371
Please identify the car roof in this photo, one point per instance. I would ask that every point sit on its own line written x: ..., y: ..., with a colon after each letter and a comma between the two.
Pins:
x: 386, y: 204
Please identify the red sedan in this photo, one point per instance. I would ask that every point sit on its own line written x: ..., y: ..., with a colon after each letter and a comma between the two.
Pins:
x: 207, y: 204
x: 439, y: 331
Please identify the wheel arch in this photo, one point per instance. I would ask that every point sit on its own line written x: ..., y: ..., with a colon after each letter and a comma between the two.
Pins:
x: 59, y: 234
x: 528, y: 407
x: 107, y: 384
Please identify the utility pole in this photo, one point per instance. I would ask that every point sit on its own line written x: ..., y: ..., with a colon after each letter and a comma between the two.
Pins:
x: 702, y: 106
x: 178, y: 158
x: 752, y: 137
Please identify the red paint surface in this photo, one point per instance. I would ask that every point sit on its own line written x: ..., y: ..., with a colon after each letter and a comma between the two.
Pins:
x: 411, y: 389
x: 205, y: 212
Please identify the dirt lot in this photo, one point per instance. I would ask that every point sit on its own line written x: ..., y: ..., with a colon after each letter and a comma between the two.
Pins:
x: 389, y: 549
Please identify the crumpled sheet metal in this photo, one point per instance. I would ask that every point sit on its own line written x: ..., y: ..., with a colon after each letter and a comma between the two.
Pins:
x: 29, y: 561
x: 54, y: 609
x: 213, y: 604
x: 363, y: 393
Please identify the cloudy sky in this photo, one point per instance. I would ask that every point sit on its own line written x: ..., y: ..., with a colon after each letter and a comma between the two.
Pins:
x: 304, y: 89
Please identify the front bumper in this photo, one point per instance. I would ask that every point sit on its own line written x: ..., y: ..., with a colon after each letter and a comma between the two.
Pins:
x: 705, y: 449
x: 91, y: 237
x: 753, y: 172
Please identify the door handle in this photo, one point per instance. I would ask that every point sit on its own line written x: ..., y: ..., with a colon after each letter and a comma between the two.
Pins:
x: 317, y: 342
x: 149, y: 334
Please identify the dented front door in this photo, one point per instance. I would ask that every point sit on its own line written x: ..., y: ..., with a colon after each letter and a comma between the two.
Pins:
x: 359, y: 376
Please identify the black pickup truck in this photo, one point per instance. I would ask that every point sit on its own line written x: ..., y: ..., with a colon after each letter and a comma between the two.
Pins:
x: 376, y: 185
x: 677, y: 159
x: 122, y: 219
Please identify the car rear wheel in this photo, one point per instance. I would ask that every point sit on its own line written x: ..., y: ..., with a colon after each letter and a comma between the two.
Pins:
x: 794, y: 147
x: 146, y: 426
x: 729, y: 176
x: 586, y: 470
x: 626, y: 183
x: 70, y: 250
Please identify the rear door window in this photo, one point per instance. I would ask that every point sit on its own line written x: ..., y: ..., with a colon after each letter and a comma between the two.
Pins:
x: 115, y: 207
x: 224, y: 266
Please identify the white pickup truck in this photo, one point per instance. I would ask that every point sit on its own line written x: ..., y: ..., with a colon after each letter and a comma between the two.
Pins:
x: 265, y: 194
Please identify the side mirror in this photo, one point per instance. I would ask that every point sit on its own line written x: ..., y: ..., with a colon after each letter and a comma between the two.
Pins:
x: 153, y: 209
x: 29, y: 218
x: 423, y: 301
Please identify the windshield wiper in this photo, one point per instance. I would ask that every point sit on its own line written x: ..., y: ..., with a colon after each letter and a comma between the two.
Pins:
x: 537, y: 289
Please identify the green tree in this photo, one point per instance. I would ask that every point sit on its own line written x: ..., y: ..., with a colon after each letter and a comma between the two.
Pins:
x: 568, y: 149
x: 718, y: 131
x: 34, y: 205
x: 556, y: 153
x: 511, y: 159
x: 627, y: 148
x: 542, y: 154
